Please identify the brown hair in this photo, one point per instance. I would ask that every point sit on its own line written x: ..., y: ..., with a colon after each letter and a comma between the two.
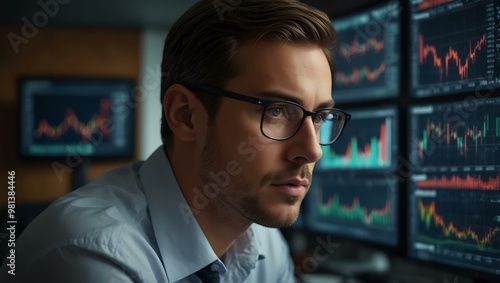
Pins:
x: 202, y: 46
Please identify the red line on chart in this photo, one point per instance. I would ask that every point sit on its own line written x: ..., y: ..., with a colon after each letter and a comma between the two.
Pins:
x: 70, y: 121
x: 348, y: 51
x: 427, y: 50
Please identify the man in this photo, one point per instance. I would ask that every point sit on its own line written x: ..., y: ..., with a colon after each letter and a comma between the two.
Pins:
x: 246, y: 87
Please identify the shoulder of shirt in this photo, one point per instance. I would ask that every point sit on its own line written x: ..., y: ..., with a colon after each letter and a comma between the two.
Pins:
x: 109, y: 216
x: 114, y: 197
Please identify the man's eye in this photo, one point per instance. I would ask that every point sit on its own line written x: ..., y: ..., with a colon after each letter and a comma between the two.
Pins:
x: 275, y: 112
x: 318, y: 119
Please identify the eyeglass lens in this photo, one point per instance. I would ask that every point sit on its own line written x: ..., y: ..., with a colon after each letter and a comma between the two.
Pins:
x: 281, y: 120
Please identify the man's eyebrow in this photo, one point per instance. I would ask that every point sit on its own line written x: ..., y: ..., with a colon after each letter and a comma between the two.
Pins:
x: 284, y: 96
x: 327, y: 104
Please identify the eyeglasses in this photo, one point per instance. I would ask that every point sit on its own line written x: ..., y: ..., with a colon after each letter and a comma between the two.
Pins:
x: 282, y: 119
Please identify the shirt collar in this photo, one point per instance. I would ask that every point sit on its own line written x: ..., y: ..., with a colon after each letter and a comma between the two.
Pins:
x: 183, y: 247
x: 242, y: 257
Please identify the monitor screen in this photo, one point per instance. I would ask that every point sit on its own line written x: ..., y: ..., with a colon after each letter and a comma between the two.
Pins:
x: 453, y: 46
x: 353, y: 194
x: 85, y: 117
x: 367, y: 63
x: 454, y: 187
x: 369, y: 141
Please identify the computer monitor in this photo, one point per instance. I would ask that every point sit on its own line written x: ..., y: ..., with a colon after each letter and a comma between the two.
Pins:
x: 70, y: 121
x: 367, y: 64
x: 353, y: 194
x: 454, y: 186
x: 453, y: 46
x: 62, y: 117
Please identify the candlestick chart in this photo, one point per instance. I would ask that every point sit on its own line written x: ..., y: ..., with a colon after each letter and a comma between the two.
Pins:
x: 453, y: 135
x: 368, y: 142
x: 451, y: 65
x: 453, y: 49
x: 367, y: 64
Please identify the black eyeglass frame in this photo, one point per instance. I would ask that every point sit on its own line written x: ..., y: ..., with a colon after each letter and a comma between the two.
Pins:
x: 266, y: 102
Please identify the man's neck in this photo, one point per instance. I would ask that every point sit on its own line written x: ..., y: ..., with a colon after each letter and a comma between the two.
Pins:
x: 221, y: 232
x: 221, y: 225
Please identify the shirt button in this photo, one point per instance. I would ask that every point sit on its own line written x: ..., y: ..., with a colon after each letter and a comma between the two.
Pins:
x: 216, y: 267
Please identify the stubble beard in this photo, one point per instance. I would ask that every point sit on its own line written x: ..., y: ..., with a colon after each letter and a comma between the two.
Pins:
x: 231, y: 203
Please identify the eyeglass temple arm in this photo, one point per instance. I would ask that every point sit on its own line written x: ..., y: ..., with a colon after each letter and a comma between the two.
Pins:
x: 230, y: 94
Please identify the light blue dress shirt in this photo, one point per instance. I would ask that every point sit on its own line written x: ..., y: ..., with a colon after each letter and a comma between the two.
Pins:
x: 131, y: 225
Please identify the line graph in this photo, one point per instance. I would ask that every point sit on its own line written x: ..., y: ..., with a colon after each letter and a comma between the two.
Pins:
x: 353, y: 210
x: 363, y: 202
x: 454, y: 225
x: 358, y: 75
x: 450, y: 58
x: 359, y: 49
x: 62, y: 117
x: 453, y: 48
x: 436, y: 226
x: 71, y: 118
x: 71, y: 121
x: 363, y: 206
x: 367, y: 64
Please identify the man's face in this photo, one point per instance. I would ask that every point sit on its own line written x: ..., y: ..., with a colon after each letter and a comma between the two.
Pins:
x: 267, y: 179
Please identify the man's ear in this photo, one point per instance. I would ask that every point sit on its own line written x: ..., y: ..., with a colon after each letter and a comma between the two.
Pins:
x: 179, y: 104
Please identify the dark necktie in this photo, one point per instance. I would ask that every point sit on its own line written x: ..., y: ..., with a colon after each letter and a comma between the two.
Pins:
x: 207, y: 275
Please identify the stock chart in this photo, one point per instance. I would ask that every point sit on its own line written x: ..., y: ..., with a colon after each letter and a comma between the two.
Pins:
x: 85, y: 117
x: 373, y: 148
x: 454, y: 188
x: 364, y: 208
x: 453, y: 46
x: 56, y: 118
x: 456, y: 134
x: 354, y: 193
x: 367, y: 62
x: 426, y: 4
x: 455, y: 219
